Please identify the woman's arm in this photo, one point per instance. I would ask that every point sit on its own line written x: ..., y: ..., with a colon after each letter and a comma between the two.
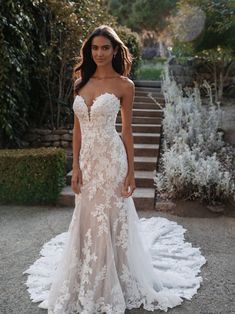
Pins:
x: 126, y: 134
x: 76, y: 180
x: 76, y: 143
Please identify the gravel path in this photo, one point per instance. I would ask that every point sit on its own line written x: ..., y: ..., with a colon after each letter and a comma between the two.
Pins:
x: 23, y: 230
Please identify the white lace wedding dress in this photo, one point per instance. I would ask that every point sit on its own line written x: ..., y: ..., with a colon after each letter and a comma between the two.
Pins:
x: 109, y: 260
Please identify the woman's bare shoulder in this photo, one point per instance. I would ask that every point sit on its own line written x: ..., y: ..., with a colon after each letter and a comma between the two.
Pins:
x: 127, y: 85
x: 126, y: 80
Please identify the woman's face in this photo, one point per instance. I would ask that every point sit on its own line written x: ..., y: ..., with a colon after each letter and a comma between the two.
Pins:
x: 102, y: 50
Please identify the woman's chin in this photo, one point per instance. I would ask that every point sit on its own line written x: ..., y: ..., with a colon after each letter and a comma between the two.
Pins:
x: 102, y: 63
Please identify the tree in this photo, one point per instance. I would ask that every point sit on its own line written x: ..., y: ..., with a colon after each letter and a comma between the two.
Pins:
x: 215, y: 43
x: 66, y: 24
x: 16, y: 54
x: 142, y: 14
x: 39, y: 41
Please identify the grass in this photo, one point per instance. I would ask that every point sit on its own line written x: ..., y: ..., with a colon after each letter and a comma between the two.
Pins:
x: 151, y: 69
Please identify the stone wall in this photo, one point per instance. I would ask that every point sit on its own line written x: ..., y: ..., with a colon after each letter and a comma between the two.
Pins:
x: 196, y: 70
x: 183, y: 74
x: 229, y: 122
x: 46, y: 137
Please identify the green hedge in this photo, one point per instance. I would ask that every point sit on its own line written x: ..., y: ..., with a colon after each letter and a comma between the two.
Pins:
x: 31, y: 176
x: 132, y: 41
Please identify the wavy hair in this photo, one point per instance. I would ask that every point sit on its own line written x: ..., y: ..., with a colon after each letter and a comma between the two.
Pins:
x: 87, y: 67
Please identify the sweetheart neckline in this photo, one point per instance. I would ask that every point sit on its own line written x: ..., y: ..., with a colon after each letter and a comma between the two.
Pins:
x: 94, y: 101
x: 96, y: 98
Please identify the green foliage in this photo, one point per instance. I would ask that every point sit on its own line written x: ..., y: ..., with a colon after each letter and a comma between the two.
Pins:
x: 149, y: 74
x: 214, y: 44
x: 63, y: 28
x: 151, y: 70
x: 39, y: 42
x: 139, y: 14
x: 16, y: 53
x: 183, y: 51
x: 132, y: 41
x: 31, y: 176
x: 219, y: 25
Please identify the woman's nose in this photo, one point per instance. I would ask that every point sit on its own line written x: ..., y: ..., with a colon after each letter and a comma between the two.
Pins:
x: 99, y: 52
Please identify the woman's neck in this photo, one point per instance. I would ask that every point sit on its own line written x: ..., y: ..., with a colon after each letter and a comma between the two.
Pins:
x: 105, y: 72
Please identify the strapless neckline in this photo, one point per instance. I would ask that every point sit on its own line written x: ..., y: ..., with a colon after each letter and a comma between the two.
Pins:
x: 96, y: 98
x: 94, y: 101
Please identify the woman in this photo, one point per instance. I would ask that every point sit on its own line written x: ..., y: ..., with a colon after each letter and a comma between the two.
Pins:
x: 104, y: 69
x: 109, y: 259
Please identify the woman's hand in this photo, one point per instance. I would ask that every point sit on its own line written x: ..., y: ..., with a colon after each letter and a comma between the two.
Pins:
x: 76, y: 181
x: 128, y: 185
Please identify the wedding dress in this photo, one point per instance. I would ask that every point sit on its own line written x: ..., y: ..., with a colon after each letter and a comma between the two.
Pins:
x: 109, y: 260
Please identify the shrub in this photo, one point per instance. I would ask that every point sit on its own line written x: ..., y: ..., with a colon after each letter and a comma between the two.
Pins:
x: 31, y: 176
x: 39, y: 41
x: 191, y: 175
x: 190, y: 167
x: 132, y: 41
x: 147, y: 73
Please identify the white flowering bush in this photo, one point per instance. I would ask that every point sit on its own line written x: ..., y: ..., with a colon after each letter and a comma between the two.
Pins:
x: 189, y: 166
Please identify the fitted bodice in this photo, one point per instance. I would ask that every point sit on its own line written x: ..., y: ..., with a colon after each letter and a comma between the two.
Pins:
x: 101, y: 144
x: 100, y: 116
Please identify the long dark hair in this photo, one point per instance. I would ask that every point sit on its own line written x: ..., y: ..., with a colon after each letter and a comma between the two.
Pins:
x: 86, y: 68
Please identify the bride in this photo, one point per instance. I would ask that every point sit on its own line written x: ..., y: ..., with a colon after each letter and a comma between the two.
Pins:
x: 109, y: 260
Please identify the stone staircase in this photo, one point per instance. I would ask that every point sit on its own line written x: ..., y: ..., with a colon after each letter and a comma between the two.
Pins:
x: 146, y: 125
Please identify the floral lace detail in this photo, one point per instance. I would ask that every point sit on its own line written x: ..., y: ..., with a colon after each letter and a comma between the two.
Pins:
x: 122, y: 237
x: 102, y: 219
x: 104, y: 266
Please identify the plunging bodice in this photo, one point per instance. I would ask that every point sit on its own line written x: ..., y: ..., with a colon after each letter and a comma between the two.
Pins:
x: 100, y: 115
x: 99, y: 137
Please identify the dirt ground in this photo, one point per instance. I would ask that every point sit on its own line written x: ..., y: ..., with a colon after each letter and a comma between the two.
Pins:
x: 24, y: 230
x: 196, y: 209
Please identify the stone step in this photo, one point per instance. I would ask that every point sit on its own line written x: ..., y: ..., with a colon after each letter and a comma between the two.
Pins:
x: 148, y: 105
x: 145, y: 98
x: 147, y: 84
x: 155, y: 94
x: 145, y: 163
x: 142, y: 120
x: 145, y: 91
x: 146, y: 113
x: 66, y: 197
x: 144, y: 179
x: 148, y: 150
x: 143, y: 198
x: 150, y: 128
x: 145, y: 138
